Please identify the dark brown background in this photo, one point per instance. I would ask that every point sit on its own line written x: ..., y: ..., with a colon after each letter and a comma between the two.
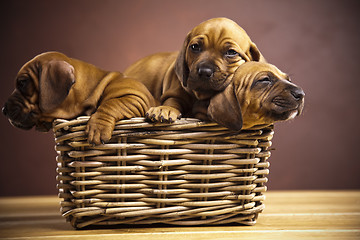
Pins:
x: 317, y: 42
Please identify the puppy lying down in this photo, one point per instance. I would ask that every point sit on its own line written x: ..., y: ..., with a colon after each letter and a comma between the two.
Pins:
x: 259, y: 95
x: 52, y: 85
x: 204, y: 66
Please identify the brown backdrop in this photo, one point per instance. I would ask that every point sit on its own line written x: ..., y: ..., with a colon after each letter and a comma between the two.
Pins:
x: 317, y: 42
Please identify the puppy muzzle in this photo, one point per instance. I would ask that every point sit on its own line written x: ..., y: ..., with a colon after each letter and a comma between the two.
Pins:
x: 289, y: 104
x: 19, y: 115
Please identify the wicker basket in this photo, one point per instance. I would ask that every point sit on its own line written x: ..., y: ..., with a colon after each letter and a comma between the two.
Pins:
x: 186, y: 173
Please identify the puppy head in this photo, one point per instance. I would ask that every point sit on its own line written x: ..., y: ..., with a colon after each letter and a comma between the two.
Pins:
x: 41, y: 85
x: 211, y: 53
x: 259, y: 95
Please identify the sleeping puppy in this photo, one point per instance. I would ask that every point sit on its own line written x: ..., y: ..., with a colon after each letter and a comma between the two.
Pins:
x: 259, y: 95
x: 52, y: 85
x: 211, y: 53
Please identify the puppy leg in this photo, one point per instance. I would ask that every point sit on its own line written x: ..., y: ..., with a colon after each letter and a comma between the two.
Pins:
x: 101, y: 124
x: 99, y: 128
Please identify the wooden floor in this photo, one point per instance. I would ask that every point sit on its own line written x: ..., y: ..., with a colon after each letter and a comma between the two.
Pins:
x: 287, y: 215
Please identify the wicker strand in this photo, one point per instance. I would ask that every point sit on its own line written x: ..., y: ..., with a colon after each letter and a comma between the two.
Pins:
x: 186, y: 173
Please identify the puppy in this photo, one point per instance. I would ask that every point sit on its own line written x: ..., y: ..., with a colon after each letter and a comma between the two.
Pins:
x: 259, y: 95
x: 205, y: 65
x: 52, y: 85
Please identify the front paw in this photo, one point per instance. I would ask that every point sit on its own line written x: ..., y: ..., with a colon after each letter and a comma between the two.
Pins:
x: 162, y: 114
x: 99, y: 131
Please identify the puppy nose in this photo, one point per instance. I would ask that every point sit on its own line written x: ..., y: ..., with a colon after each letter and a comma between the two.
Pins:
x: 4, y: 110
x: 298, y: 93
x: 205, y: 71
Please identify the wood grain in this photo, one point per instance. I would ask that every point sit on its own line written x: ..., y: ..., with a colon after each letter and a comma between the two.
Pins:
x: 287, y: 215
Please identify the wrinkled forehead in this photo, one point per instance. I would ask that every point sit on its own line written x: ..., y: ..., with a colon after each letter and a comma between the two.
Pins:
x: 36, y: 63
x: 29, y: 68
x: 221, y: 29
x: 267, y: 67
x: 251, y: 70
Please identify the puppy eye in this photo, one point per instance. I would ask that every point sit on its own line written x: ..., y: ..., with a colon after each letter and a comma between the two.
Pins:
x: 266, y: 80
x: 231, y: 53
x: 22, y: 84
x: 195, y: 47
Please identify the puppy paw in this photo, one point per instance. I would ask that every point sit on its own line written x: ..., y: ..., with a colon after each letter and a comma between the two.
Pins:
x: 162, y: 114
x: 99, y: 131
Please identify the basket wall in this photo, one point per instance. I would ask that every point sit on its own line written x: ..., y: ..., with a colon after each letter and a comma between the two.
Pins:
x: 186, y: 173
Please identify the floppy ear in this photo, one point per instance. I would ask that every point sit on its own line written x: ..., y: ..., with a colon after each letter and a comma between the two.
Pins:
x: 56, y: 79
x: 224, y: 109
x: 181, y: 67
x: 254, y: 53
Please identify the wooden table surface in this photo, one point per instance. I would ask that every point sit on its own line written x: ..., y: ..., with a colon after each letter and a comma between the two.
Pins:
x: 287, y: 215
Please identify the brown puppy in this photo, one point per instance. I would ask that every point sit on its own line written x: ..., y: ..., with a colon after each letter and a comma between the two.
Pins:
x: 259, y: 95
x: 205, y: 65
x: 52, y: 85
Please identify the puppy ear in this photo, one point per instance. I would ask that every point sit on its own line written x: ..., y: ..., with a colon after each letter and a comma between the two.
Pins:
x: 181, y: 67
x: 224, y: 109
x: 56, y: 79
x: 255, y: 54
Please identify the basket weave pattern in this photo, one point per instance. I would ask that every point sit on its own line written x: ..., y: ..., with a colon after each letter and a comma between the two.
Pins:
x: 186, y: 173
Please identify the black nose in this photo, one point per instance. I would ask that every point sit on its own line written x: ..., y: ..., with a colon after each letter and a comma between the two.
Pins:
x: 205, y: 71
x: 4, y: 110
x: 298, y: 93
